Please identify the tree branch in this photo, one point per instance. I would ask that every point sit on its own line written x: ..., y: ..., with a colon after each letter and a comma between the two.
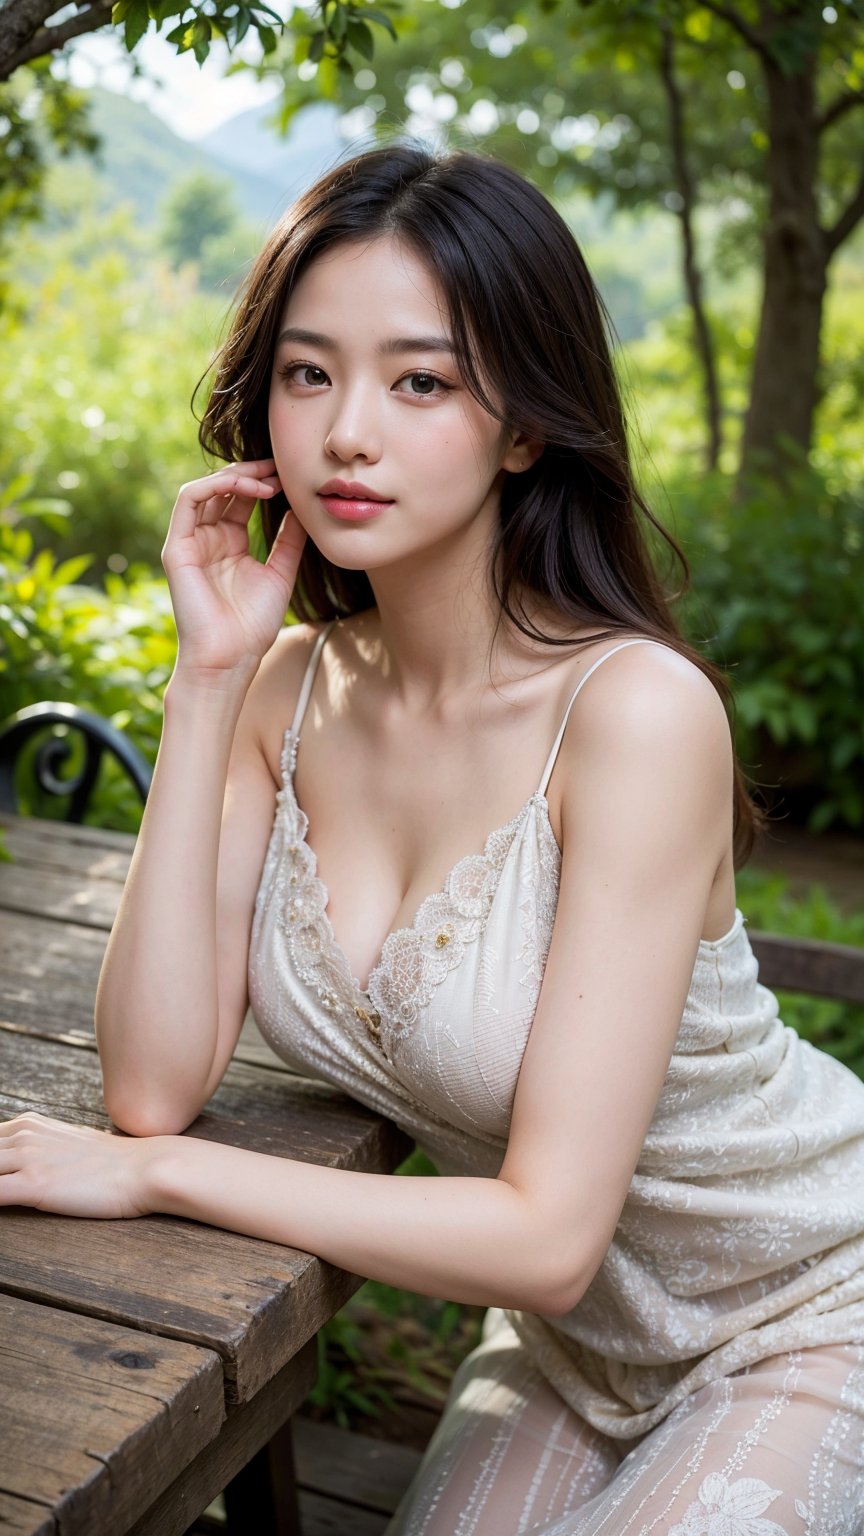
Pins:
x: 50, y: 39
x: 19, y: 19
x: 851, y: 215
x: 839, y: 108
x: 741, y: 25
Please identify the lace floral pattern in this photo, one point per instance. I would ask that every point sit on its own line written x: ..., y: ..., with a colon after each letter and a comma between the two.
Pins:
x: 414, y: 960
x: 730, y: 1509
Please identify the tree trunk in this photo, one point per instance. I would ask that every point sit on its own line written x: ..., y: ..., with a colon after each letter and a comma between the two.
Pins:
x: 784, y: 383
x: 692, y: 274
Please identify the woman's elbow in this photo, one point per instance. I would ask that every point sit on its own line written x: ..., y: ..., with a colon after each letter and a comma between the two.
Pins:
x: 565, y: 1285
x: 560, y: 1299
x: 137, y: 1117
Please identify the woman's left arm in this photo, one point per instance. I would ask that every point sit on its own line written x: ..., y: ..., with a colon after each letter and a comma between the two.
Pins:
x: 646, y: 811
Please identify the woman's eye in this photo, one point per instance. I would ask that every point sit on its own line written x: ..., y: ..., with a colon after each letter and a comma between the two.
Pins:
x: 426, y: 383
x: 288, y: 370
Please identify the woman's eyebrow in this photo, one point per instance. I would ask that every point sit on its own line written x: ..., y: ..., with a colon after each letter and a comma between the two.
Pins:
x: 387, y: 348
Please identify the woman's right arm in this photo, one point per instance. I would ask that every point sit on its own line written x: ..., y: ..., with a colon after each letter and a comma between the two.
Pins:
x: 171, y: 995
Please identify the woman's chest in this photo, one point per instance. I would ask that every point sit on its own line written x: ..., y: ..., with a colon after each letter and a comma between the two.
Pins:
x: 445, y: 1019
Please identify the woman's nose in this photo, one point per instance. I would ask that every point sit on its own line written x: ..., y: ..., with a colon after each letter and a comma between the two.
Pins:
x: 355, y: 429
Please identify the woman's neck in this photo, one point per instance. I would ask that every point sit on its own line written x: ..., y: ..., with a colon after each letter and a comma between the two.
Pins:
x: 433, y: 646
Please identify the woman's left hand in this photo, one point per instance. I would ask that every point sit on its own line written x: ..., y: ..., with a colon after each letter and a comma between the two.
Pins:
x: 74, y: 1170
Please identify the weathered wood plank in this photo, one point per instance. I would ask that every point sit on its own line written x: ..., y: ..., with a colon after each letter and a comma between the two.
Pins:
x: 254, y: 1303
x: 64, y: 848
x: 253, y: 1107
x: 245, y: 1430
x: 320, y: 1516
x: 48, y: 977
x: 49, y: 972
x: 21, y: 831
x: 73, y: 898
x: 814, y: 966
x: 21, y: 1517
x: 91, y: 1415
x: 343, y: 1464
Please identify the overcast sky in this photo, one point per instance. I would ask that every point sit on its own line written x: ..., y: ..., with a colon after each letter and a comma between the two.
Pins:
x: 192, y: 99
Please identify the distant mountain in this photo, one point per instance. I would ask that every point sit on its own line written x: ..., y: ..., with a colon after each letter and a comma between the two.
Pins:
x: 141, y: 157
x: 248, y: 144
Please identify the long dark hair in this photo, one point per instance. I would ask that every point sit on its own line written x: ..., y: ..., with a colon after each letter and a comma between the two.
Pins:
x: 524, y: 309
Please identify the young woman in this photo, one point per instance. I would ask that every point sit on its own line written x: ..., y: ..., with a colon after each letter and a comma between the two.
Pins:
x: 465, y: 836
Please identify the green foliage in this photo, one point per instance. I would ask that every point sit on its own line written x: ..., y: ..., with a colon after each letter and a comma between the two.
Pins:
x: 196, y: 208
x: 111, y: 651
x: 37, y: 111
x: 100, y: 366
x: 388, y: 1346
x: 200, y: 223
x: 776, y: 599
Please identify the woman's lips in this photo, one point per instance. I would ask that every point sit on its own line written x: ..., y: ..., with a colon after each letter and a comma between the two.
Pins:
x: 352, y: 509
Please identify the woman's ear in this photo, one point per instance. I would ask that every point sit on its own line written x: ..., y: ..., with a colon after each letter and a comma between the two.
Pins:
x: 522, y: 453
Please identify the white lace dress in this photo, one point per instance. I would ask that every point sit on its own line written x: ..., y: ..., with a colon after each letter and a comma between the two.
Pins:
x: 742, y: 1235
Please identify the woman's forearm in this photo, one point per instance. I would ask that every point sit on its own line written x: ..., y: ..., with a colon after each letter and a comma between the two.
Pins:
x: 156, y: 1001
x: 467, y: 1239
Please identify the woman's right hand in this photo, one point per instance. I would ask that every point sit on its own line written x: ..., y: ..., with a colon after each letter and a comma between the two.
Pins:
x: 228, y: 606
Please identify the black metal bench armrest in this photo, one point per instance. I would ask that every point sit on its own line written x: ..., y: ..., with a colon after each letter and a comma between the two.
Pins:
x: 99, y: 736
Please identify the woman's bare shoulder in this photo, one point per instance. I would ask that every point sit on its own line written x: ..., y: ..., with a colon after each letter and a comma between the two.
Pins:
x: 651, y: 708
x: 285, y: 662
x: 652, y: 682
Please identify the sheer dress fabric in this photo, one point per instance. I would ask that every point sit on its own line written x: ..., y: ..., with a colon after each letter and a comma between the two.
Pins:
x: 742, y: 1235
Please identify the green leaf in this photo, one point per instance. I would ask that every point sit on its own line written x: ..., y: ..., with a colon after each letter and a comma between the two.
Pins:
x: 316, y: 46
x: 338, y: 23
x: 360, y: 37
x: 19, y: 485
x: 69, y: 570
x: 370, y: 13
x: 137, y: 22
x: 268, y: 11
x: 242, y: 25
x: 269, y: 40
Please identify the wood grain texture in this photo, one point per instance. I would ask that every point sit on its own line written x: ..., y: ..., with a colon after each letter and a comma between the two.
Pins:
x: 48, y: 976
x: 253, y: 1303
x: 25, y: 835
x: 91, y: 1414
x: 244, y: 1432
x: 23, y: 1517
x: 73, y: 874
x: 343, y: 1464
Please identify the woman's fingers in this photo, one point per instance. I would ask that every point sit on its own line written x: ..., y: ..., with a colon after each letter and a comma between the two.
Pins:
x: 204, y: 500
x: 238, y: 507
x: 284, y: 556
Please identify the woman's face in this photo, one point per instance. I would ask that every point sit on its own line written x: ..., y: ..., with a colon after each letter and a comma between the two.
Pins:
x: 365, y: 389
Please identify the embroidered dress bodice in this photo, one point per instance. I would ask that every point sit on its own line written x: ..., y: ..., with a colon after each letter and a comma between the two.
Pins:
x: 743, y: 1229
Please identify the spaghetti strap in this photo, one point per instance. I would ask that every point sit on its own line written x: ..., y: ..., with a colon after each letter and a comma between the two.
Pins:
x: 309, y: 678
x: 550, y: 761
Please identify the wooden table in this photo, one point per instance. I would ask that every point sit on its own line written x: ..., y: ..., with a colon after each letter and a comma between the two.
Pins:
x: 144, y: 1364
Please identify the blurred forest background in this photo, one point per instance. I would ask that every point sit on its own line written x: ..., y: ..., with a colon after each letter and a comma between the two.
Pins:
x: 708, y: 158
